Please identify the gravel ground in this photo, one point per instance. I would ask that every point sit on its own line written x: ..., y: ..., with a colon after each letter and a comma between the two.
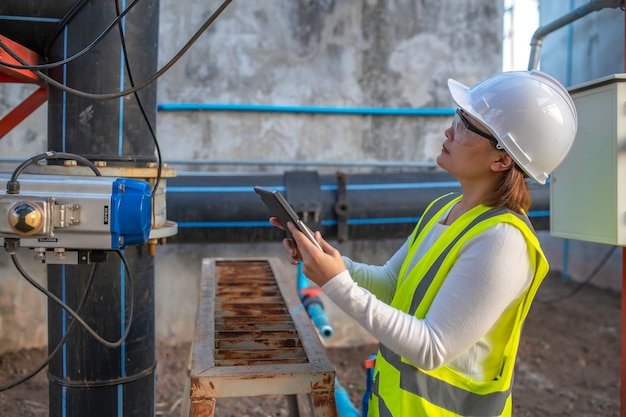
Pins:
x: 568, y: 365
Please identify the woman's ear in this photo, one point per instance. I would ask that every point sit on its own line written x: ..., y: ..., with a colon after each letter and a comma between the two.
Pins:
x: 504, y: 162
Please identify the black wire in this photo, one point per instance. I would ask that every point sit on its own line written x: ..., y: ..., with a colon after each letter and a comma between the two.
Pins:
x: 73, y: 11
x: 143, y: 112
x: 72, y: 313
x: 53, y: 155
x: 61, y: 342
x: 581, y: 285
x: 25, y: 66
x: 51, y: 81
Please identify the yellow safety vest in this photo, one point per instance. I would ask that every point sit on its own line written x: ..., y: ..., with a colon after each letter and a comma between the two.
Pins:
x: 401, y: 388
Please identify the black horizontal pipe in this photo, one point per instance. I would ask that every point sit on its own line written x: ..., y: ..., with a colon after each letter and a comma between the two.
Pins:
x: 225, y: 209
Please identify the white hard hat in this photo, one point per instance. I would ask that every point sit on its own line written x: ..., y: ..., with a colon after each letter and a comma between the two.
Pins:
x: 530, y: 113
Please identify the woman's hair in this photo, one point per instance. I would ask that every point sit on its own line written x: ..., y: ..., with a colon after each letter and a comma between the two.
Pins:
x: 512, y: 192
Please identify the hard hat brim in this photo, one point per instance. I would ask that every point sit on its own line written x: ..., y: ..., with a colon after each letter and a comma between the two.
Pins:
x: 460, y: 94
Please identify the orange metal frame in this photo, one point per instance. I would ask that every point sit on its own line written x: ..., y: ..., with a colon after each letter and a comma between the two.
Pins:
x: 13, y: 75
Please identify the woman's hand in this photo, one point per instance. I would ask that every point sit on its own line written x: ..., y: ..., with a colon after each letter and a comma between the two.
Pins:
x: 318, y: 266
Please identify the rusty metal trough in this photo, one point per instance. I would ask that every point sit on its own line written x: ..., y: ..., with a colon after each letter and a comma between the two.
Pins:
x: 253, y: 337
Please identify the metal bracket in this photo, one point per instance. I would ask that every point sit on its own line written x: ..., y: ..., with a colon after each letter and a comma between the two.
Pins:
x: 66, y: 215
x: 62, y: 256
x: 342, y: 208
x: 302, y: 191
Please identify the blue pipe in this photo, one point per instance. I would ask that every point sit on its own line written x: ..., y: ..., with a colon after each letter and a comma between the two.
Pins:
x: 364, y: 111
x: 570, y: 48
x: 351, y: 222
x: 345, y: 408
x: 30, y: 19
x: 303, y: 281
x: 314, y: 306
x: 316, y: 312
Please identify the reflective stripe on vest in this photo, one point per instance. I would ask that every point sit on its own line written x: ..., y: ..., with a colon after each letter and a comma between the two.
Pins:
x: 437, y: 391
x: 441, y: 393
x: 432, y: 271
x: 431, y: 210
x: 383, y: 410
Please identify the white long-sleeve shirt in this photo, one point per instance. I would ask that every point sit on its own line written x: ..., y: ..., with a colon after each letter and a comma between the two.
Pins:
x: 492, y: 271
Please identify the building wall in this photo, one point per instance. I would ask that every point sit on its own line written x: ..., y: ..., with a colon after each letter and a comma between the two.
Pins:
x: 333, y: 54
x: 336, y: 54
x: 590, y: 48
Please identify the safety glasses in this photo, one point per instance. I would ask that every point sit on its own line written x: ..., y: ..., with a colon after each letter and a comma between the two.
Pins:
x: 472, y: 128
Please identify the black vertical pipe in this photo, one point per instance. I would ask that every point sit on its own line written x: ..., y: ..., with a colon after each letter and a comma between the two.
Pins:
x: 88, y: 378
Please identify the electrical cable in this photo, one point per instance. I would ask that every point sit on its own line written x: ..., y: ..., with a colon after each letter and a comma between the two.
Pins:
x: 53, y: 155
x: 58, y: 347
x: 25, y: 66
x: 582, y: 284
x: 73, y: 313
x: 13, y: 186
x: 108, y: 96
x: 67, y: 18
x: 139, y: 103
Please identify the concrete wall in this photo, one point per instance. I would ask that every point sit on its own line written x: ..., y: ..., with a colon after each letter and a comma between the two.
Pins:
x: 321, y: 53
x: 300, y: 53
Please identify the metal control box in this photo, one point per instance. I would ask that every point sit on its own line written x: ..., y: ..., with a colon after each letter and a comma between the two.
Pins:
x: 76, y: 212
x: 588, y: 189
